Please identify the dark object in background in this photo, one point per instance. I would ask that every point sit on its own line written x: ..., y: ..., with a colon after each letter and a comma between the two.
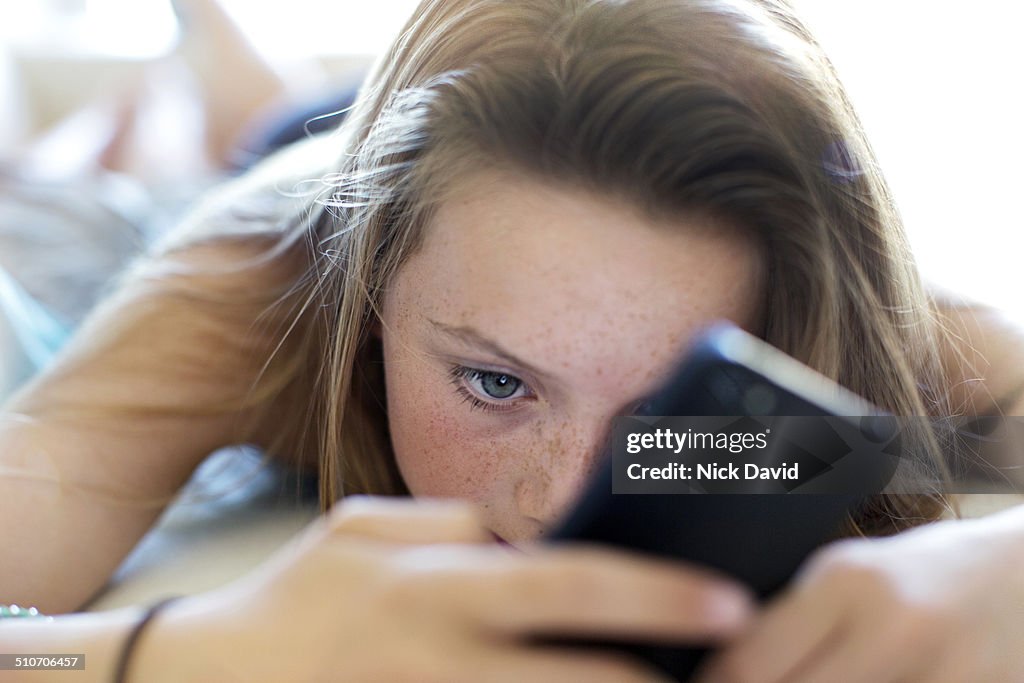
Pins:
x: 290, y: 123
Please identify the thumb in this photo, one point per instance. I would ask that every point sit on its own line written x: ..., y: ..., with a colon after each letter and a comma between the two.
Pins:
x: 404, y: 520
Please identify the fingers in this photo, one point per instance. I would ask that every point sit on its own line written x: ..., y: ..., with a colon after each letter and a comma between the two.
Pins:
x: 849, y: 655
x: 400, y: 520
x: 787, y: 635
x: 579, y: 591
x: 562, y: 665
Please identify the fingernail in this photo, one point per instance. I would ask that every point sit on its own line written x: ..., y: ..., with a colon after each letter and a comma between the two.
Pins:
x: 729, y: 608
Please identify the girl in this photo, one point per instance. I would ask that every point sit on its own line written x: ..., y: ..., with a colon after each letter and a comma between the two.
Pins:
x: 531, y: 210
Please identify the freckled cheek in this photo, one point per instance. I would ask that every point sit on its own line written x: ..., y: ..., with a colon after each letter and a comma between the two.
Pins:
x: 436, y: 452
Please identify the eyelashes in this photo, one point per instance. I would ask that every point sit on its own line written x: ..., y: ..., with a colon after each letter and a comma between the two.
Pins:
x: 495, y: 391
x: 476, y: 386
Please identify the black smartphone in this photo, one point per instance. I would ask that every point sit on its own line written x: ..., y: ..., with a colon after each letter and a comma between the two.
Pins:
x: 760, y: 539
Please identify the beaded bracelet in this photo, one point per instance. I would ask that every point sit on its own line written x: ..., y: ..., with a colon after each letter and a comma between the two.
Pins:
x: 16, y: 612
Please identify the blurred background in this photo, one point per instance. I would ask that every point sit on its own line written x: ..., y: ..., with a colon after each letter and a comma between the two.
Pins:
x: 123, y: 111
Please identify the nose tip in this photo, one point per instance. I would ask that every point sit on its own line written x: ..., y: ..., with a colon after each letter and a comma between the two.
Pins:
x: 541, y: 505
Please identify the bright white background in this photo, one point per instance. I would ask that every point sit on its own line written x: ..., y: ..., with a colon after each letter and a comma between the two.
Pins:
x: 940, y: 90
x: 938, y: 85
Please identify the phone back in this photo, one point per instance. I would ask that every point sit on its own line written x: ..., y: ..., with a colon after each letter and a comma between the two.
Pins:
x: 759, y: 539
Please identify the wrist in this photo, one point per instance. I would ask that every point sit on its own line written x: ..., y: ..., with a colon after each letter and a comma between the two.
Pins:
x: 96, y: 635
x: 180, y: 645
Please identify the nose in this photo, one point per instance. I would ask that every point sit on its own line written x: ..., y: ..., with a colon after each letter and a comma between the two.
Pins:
x: 558, y: 472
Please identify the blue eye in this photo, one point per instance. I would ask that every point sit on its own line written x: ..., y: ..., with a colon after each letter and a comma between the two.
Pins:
x: 498, y: 386
x: 476, y: 386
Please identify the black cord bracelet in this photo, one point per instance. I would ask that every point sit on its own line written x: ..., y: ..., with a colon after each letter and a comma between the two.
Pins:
x: 121, y: 673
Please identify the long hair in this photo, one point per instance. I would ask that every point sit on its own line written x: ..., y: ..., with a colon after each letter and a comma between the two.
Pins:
x: 727, y: 107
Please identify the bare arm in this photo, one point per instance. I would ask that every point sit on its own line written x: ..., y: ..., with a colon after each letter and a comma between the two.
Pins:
x: 984, y: 359
x: 389, y: 590
x: 93, y: 449
x: 983, y: 356
x: 99, y: 637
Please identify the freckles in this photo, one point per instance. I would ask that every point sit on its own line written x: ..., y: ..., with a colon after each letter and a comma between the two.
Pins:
x: 554, y: 454
x: 447, y: 442
x: 536, y: 462
x: 462, y: 462
x: 434, y: 450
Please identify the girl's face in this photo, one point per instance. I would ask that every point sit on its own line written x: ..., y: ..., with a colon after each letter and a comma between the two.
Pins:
x: 531, y: 316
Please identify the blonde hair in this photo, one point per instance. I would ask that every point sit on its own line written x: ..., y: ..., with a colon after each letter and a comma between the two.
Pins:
x: 723, y: 106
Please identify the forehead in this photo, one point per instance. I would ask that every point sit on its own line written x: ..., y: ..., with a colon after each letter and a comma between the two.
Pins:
x: 558, y: 272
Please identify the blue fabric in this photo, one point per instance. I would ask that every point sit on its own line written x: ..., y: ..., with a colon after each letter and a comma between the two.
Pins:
x: 39, y: 333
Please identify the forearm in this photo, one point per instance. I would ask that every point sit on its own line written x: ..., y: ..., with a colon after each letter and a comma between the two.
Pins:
x: 94, y: 448
x: 64, y: 533
x: 99, y: 637
x: 983, y: 356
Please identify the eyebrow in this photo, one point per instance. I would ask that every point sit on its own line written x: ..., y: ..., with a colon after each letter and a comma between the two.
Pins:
x: 472, y: 337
